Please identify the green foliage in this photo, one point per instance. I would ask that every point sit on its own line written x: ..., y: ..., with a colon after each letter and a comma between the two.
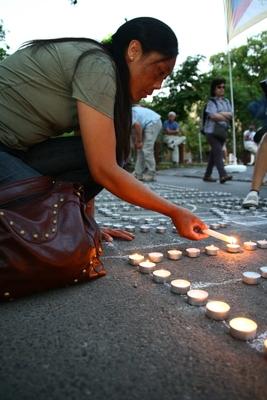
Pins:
x: 189, y: 89
x: 3, y: 46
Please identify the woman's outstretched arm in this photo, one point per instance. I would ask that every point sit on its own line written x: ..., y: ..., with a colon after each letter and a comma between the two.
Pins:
x: 99, y: 142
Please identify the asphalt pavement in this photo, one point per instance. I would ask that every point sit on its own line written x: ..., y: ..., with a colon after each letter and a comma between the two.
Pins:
x: 125, y: 337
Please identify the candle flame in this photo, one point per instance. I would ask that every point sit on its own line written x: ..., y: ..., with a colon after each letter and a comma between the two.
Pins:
x: 233, y: 240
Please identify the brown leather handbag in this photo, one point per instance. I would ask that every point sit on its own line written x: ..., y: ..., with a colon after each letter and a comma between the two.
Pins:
x: 46, y: 238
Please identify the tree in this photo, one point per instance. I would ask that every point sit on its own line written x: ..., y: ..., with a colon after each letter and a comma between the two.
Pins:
x: 248, y: 69
x: 3, y: 46
x: 188, y: 89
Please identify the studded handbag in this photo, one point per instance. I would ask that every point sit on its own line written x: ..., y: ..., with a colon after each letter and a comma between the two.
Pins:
x: 47, y: 240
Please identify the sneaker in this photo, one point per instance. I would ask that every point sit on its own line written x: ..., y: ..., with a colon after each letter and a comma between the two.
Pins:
x: 209, y: 179
x: 251, y: 200
x: 149, y: 178
x: 225, y: 178
x: 139, y: 177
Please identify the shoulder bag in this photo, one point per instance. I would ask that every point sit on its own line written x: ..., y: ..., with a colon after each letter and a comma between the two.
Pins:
x: 46, y: 238
x: 220, y: 131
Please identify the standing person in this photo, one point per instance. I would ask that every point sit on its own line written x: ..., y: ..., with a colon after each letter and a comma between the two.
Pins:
x: 259, y: 171
x: 172, y: 136
x: 218, y: 111
x: 260, y: 168
x: 146, y: 125
x: 248, y: 139
x: 59, y: 85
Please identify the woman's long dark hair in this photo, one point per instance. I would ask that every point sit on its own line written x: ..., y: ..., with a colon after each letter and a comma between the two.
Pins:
x: 154, y: 35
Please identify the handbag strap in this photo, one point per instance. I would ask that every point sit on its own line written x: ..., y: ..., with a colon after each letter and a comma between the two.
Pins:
x: 24, y: 188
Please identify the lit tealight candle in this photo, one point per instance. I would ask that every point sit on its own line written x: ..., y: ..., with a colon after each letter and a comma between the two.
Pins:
x: 262, y: 244
x: 233, y: 248
x: 211, y: 250
x: 155, y: 257
x: 180, y: 286
x: 243, y: 328
x: 135, y: 259
x: 265, y: 347
x: 217, y: 310
x: 161, y: 275
x: 146, y: 266
x: 192, y: 252
x: 251, y: 278
x: 250, y: 245
x: 197, y: 297
x: 263, y: 271
x: 174, y: 254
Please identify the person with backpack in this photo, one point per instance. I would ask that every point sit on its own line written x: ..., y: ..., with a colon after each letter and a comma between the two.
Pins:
x: 217, y: 117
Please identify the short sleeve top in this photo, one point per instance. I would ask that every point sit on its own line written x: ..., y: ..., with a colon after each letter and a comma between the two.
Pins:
x: 216, y: 105
x: 39, y: 89
x: 173, y: 125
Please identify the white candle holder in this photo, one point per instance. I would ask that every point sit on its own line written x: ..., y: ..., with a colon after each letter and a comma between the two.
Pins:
x: 263, y: 271
x: 130, y: 228
x: 146, y: 267
x: 117, y: 226
x: 217, y: 310
x: 233, y: 248
x: 160, y: 229
x: 174, y: 254
x: 192, y: 252
x: 262, y: 244
x: 197, y: 297
x: 250, y: 245
x: 215, y: 226
x: 211, y: 250
x: 180, y: 286
x: 148, y: 220
x: 144, y: 228
x: 161, y: 275
x: 243, y: 328
x: 155, y: 257
x: 251, y: 278
x: 162, y: 221
x: 135, y: 259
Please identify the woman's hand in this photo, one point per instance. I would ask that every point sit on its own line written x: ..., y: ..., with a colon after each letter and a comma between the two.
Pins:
x: 108, y: 234
x: 188, y: 224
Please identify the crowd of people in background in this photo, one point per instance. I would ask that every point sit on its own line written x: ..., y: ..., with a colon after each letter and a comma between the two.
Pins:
x: 146, y: 126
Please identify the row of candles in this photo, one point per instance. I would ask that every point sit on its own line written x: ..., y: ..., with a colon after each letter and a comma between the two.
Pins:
x: 240, y: 328
x: 193, y: 252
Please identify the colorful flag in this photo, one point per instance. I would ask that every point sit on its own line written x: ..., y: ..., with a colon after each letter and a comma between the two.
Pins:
x: 241, y: 14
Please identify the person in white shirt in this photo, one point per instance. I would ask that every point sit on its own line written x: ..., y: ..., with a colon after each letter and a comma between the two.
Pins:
x: 146, y: 126
x: 248, y: 139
